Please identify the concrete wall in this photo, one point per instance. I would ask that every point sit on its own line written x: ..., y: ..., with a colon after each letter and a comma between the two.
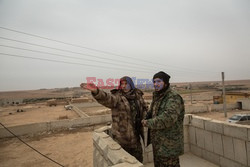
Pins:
x: 79, y: 112
x: 107, y: 152
x: 93, y: 104
x: 209, y: 108
x: 245, y: 104
x: 35, y: 128
x: 224, y: 144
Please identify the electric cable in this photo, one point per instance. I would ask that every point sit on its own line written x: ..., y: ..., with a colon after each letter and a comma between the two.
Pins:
x: 72, y: 57
x: 30, y: 146
x: 65, y: 62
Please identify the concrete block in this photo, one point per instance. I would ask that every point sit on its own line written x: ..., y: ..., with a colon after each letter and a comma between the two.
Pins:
x: 214, y: 126
x: 103, y: 135
x: 235, y: 130
x: 109, y: 162
x: 99, y: 119
x: 127, y: 164
x: 186, y: 134
x: 96, y: 137
x: 119, y: 156
x: 106, y: 143
x: 105, y: 163
x: 100, y: 161
x: 103, y: 129
x: 113, y: 145
x: 100, y: 141
x: 217, y: 143
x: 196, y: 150
x: 186, y: 147
x: 228, y: 147
x: 224, y: 162
x: 212, y: 157
x: 240, y: 152
x: 97, y: 159
x: 149, y: 148
x: 197, y: 122
x: 248, y: 153
x: 148, y: 157
x: 95, y: 156
x: 200, y: 136
x: 208, y: 141
x: 115, y: 156
x: 187, y: 119
x: 103, y: 147
x: 248, y: 132
x: 192, y: 135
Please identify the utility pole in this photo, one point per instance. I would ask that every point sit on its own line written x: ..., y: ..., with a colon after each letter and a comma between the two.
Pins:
x: 191, y: 96
x: 224, y: 95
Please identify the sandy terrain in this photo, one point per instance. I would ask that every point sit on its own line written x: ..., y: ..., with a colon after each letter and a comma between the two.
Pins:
x: 67, y: 148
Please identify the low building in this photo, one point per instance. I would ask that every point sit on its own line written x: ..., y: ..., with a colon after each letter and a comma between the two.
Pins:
x: 231, y: 97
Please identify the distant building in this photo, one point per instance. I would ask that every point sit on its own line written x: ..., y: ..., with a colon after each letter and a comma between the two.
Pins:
x: 244, y: 104
x: 231, y: 97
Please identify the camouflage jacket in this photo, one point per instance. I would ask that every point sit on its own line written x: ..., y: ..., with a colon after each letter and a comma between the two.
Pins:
x: 165, y: 122
x: 123, y: 119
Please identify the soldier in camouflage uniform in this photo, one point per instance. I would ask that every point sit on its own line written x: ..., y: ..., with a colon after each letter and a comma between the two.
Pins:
x: 128, y: 109
x: 165, y: 123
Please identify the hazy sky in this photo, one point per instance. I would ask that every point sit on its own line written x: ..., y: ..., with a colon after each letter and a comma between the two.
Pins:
x: 191, y: 40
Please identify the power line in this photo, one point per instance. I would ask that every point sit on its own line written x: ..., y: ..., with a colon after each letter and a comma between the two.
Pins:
x: 65, y: 62
x: 72, y: 57
x: 96, y: 50
x: 127, y: 63
x: 31, y: 146
x: 66, y: 43
x: 50, y: 39
x: 67, y: 51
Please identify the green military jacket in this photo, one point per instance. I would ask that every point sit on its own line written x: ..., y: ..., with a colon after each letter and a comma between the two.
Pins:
x: 166, y: 124
x: 123, y: 120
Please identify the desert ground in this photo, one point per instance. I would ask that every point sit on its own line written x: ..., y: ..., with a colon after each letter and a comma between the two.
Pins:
x: 73, y: 147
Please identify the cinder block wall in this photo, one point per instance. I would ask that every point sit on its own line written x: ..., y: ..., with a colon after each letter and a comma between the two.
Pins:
x: 224, y: 144
x: 36, y: 128
x: 107, y: 152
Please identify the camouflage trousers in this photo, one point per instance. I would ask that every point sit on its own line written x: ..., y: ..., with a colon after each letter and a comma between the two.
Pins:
x: 167, y: 162
x: 136, y: 151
